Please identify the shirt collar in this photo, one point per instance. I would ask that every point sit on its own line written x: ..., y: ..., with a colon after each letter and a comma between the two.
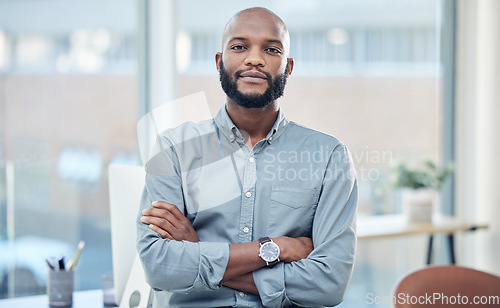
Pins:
x: 227, y: 127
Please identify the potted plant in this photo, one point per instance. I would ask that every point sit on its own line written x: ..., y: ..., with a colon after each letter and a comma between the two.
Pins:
x: 419, y: 187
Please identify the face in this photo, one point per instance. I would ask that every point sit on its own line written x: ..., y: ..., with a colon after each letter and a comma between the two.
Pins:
x: 254, y: 66
x: 275, y: 88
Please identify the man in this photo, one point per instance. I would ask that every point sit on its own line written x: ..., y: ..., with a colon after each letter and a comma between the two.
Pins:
x: 249, y: 209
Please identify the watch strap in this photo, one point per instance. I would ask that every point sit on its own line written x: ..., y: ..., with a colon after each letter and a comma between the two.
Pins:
x: 271, y: 264
x: 264, y: 240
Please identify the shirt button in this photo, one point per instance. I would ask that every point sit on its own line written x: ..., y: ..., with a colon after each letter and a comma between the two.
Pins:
x: 241, y: 294
x: 231, y: 137
x: 251, y: 159
x: 246, y: 229
x: 248, y: 194
x: 270, y: 138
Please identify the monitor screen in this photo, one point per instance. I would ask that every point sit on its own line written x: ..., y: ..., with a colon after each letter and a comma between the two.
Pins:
x: 126, y: 184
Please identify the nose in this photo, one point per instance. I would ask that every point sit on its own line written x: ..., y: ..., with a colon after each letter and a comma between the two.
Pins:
x: 254, y: 58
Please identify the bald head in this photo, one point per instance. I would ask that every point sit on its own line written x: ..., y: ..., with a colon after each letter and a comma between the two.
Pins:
x: 260, y: 15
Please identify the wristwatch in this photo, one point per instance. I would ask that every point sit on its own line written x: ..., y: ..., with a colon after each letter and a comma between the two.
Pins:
x: 269, y: 251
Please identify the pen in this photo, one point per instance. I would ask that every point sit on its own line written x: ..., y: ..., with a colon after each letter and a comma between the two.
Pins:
x: 61, y: 264
x: 77, y: 256
x: 52, y: 267
x: 69, y: 264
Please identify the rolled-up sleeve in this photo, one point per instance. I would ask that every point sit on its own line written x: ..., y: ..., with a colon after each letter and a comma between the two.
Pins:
x: 169, y: 265
x: 322, y: 278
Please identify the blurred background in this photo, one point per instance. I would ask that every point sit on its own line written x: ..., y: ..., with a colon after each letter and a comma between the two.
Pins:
x: 398, y: 81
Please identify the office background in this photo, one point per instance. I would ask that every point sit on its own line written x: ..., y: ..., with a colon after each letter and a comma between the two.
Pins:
x: 398, y: 81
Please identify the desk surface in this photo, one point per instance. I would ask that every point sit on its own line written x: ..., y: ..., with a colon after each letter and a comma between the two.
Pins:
x: 385, y: 226
x: 81, y: 299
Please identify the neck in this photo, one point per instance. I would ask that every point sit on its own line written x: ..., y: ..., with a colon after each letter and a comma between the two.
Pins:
x: 253, y: 123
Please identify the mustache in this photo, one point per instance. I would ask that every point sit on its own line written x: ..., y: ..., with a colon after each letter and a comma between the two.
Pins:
x: 238, y: 73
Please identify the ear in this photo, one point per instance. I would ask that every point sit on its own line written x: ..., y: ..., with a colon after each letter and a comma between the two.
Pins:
x: 290, y: 66
x: 218, y: 59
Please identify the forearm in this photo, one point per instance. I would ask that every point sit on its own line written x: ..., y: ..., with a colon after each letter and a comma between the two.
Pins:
x: 243, y: 283
x: 243, y: 259
x: 176, y: 265
x: 181, y: 266
x: 325, y: 272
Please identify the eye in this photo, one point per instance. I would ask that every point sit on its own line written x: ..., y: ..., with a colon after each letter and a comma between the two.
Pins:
x: 273, y: 50
x: 237, y: 47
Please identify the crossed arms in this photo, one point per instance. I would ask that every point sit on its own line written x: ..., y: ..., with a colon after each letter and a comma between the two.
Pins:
x: 168, y: 221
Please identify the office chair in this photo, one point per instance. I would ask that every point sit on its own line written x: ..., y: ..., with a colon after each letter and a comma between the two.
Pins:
x: 447, y: 286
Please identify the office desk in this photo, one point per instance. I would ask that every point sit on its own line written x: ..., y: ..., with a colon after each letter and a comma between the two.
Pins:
x: 388, y: 226
x: 81, y: 299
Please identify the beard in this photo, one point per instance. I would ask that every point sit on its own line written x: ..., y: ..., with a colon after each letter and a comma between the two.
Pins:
x: 275, y: 89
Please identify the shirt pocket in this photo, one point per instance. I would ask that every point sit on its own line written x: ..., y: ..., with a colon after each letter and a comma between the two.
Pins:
x: 292, y: 211
x: 295, y: 197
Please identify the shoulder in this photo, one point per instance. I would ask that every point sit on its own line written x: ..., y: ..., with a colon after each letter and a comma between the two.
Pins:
x: 312, y: 137
x: 188, y: 131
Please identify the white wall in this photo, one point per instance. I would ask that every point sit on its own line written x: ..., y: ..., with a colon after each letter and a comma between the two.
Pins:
x: 478, y: 127
x: 161, y: 45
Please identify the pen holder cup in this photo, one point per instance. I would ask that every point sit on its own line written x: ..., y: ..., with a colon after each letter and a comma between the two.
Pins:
x: 60, y: 288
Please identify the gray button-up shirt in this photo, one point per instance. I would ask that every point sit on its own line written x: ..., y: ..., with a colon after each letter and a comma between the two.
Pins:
x: 295, y: 182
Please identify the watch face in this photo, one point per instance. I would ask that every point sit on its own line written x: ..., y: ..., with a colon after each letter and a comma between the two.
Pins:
x: 269, y: 252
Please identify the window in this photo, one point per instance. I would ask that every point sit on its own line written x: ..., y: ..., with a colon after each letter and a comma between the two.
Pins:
x: 68, y: 101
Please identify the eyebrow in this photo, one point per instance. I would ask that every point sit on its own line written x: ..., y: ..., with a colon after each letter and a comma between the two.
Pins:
x: 237, y: 38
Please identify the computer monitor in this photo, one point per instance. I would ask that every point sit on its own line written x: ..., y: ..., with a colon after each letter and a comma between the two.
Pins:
x: 126, y: 184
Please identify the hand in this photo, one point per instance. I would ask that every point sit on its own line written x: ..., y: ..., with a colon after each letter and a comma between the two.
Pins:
x: 294, y: 249
x: 166, y: 220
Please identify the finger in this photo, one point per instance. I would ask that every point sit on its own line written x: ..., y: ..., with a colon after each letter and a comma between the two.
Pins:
x: 164, y: 234
x: 159, y: 222
x: 171, y: 208
x: 164, y: 214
